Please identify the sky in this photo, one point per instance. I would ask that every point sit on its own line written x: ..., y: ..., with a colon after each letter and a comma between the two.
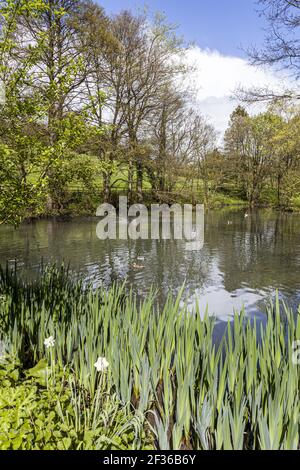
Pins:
x: 224, y: 25
x: 220, y: 31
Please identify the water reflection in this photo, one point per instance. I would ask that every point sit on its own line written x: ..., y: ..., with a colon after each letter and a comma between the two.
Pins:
x: 243, y: 262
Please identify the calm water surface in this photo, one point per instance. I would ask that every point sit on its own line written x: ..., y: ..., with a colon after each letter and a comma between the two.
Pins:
x: 243, y: 262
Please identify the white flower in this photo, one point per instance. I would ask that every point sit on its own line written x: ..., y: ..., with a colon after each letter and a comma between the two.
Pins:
x: 49, y: 342
x: 101, y: 364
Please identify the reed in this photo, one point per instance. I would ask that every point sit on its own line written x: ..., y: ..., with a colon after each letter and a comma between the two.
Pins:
x: 192, y: 394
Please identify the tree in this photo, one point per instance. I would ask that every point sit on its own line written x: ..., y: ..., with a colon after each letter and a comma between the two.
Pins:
x: 47, y: 40
x: 88, y: 96
x: 281, y: 50
x: 206, y: 157
x: 282, y: 44
x: 167, y: 129
x: 286, y: 156
x: 249, y: 151
x: 22, y: 137
x: 42, y: 125
x: 140, y: 72
x: 101, y: 91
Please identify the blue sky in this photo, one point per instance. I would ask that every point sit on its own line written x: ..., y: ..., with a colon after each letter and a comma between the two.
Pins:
x: 225, y: 25
x: 220, y: 30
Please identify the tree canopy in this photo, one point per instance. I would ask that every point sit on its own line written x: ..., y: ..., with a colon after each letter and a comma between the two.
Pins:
x: 94, y: 106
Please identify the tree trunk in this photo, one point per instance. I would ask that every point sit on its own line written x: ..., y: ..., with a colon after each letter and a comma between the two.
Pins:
x: 279, y: 190
x: 130, y: 180
x: 139, y: 182
x: 106, y: 187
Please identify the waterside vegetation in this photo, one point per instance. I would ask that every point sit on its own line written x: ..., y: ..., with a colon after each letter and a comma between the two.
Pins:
x: 93, y: 105
x: 84, y: 369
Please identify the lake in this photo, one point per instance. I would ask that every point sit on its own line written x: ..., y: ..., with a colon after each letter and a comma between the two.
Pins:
x: 244, y: 261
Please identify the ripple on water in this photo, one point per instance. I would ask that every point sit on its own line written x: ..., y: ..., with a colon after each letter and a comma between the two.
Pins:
x: 240, y: 265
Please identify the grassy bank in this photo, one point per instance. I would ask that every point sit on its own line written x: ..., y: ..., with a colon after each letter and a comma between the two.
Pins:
x: 84, y: 203
x: 95, y: 370
x: 80, y: 203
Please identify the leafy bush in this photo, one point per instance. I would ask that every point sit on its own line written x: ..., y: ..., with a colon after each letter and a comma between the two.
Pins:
x: 35, y: 415
x: 164, y: 373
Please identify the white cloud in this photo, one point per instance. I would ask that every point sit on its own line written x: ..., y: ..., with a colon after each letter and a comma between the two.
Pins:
x: 216, y: 77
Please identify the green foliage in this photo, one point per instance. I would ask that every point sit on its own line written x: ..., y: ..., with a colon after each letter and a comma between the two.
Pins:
x: 165, y: 372
x: 93, y: 104
x: 60, y: 416
x: 40, y: 138
x: 262, y: 153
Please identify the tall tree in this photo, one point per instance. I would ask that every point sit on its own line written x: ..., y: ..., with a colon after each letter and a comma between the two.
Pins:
x: 249, y: 152
x: 281, y: 49
x: 22, y: 137
x: 167, y: 130
x: 104, y: 89
x: 145, y: 64
x: 286, y: 156
x: 206, y: 159
x: 42, y: 71
x: 48, y: 37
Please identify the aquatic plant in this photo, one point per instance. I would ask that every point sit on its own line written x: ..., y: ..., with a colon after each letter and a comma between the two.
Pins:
x: 192, y: 393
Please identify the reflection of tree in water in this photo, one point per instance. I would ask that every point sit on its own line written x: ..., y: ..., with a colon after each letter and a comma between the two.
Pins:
x: 260, y: 252
x: 168, y: 265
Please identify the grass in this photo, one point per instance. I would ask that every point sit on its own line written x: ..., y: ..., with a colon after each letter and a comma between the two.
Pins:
x: 164, y: 369
x: 296, y: 203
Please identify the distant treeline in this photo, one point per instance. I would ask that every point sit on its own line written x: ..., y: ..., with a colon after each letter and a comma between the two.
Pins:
x: 101, y: 104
